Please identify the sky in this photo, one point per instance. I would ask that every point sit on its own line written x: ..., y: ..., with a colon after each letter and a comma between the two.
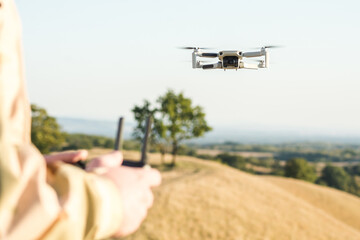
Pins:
x: 97, y: 59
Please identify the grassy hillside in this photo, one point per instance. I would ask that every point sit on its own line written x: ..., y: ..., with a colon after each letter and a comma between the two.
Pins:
x: 206, y: 200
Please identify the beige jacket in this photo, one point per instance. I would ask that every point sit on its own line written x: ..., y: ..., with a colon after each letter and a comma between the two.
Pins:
x: 36, y: 202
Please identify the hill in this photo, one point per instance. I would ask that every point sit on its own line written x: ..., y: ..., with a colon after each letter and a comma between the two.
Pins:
x: 205, y: 200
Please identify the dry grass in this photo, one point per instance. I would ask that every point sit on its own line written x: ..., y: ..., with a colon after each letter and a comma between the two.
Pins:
x: 341, y: 205
x: 259, y: 169
x: 206, y: 200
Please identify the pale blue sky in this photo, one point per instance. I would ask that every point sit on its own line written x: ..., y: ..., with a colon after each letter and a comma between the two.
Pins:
x: 96, y: 59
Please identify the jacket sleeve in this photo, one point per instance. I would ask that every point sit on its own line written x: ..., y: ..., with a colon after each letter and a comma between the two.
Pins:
x: 36, y: 201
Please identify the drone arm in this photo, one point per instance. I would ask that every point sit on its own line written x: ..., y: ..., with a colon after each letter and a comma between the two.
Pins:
x: 266, y: 59
x: 260, y: 53
x: 211, y: 66
x: 253, y: 54
x: 194, y: 60
x: 209, y: 55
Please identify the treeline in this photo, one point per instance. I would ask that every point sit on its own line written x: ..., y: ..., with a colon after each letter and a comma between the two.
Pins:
x: 75, y: 141
x: 313, y: 152
x: 84, y: 141
x: 314, y: 156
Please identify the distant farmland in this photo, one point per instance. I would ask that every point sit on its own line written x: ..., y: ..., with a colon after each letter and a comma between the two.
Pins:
x: 214, y: 152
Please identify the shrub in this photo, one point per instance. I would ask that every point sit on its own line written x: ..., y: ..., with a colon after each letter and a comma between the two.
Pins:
x: 299, y: 168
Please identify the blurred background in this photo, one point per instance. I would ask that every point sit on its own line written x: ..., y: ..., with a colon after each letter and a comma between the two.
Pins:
x: 266, y: 154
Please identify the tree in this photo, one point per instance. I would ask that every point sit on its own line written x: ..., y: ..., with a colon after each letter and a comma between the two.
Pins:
x: 299, y: 168
x: 174, y: 120
x: 182, y: 121
x: 46, y: 134
x: 233, y: 160
x: 157, y: 137
x: 353, y: 170
x: 337, y: 177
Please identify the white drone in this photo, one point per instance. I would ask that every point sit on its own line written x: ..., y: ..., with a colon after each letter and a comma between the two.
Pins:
x: 230, y: 59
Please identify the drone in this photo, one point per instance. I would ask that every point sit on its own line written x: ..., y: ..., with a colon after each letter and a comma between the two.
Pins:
x: 232, y: 59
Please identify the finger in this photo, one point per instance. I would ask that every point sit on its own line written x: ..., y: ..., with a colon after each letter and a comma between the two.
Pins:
x: 113, y: 159
x: 69, y: 157
x: 151, y: 177
x: 148, y: 176
x: 133, y: 222
x: 149, y: 198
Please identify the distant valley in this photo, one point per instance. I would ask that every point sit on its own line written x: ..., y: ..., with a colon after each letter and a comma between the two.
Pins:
x: 244, y: 134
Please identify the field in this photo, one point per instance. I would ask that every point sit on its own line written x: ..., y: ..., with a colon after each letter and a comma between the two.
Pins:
x: 245, y: 154
x: 201, y: 199
x: 268, y: 155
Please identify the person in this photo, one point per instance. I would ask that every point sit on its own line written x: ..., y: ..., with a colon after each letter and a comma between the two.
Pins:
x: 46, y: 197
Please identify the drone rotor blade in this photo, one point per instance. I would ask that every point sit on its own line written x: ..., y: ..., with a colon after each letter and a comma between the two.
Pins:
x: 273, y: 46
x: 187, y: 48
x: 268, y: 46
x: 192, y: 48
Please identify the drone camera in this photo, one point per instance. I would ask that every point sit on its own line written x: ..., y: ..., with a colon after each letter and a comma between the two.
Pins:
x: 231, y: 61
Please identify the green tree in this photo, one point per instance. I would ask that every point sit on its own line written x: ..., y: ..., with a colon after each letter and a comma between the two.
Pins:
x: 46, y: 133
x: 353, y: 170
x: 337, y: 177
x: 158, y: 131
x: 299, y: 168
x: 233, y: 160
x: 182, y: 121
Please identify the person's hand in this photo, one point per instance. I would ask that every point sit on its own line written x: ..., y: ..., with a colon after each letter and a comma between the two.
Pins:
x: 134, y: 186
x: 67, y: 157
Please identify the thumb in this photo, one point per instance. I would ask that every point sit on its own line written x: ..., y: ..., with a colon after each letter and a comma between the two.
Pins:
x: 68, y: 157
x: 110, y: 160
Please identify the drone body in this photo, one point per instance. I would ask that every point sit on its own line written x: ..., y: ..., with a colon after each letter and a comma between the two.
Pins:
x: 230, y: 59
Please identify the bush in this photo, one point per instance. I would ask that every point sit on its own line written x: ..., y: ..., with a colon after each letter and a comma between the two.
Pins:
x: 337, y: 177
x: 353, y: 170
x: 83, y: 141
x: 207, y: 157
x: 233, y: 161
x: 299, y: 168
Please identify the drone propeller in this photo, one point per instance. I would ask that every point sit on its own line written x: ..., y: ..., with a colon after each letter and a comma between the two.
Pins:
x: 268, y: 46
x: 192, y: 48
x: 273, y: 46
